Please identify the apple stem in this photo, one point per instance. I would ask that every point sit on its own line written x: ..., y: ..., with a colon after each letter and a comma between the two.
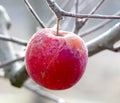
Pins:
x: 58, y: 24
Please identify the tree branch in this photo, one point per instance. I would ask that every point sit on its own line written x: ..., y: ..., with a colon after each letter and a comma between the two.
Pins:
x: 14, y: 40
x: 55, y: 8
x: 97, y: 6
x: 60, y: 13
x: 64, y: 4
x: 41, y: 92
x: 104, y: 41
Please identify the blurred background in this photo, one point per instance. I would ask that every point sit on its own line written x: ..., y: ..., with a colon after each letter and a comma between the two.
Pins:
x: 101, y: 81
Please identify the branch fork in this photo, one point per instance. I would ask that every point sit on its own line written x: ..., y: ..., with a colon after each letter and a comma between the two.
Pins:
x: 55, y: 8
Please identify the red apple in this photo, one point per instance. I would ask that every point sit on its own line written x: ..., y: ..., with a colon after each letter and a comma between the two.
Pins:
x: 56, y: 62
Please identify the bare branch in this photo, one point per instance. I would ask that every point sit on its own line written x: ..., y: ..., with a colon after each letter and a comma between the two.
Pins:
x: 11, y: 62
x: 81, y: 23
x: 14, y: 40
x: 104, y: 41
x: 41, y: 92
x: 60, y: 13
x: 97, y: 7
x: 34, y: 14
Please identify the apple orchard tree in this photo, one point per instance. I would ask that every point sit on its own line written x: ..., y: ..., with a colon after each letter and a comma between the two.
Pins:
x: 15, y: 70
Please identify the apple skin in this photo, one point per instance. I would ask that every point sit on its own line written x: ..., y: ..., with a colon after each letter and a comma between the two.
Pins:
x: 56, y: 62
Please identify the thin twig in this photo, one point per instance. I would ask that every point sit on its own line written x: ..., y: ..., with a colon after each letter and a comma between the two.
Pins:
x: 76, y: 6
x: 97, y: 27
x: 11, y: 62
x: 97, y: 6
x: 14, y: 40
x: 95, y: 9
x: 76, y: 11
x: 78, y: 22
x: 34, y: 14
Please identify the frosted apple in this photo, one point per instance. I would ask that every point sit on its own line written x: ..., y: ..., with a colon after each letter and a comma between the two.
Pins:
x: 54, y: 61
